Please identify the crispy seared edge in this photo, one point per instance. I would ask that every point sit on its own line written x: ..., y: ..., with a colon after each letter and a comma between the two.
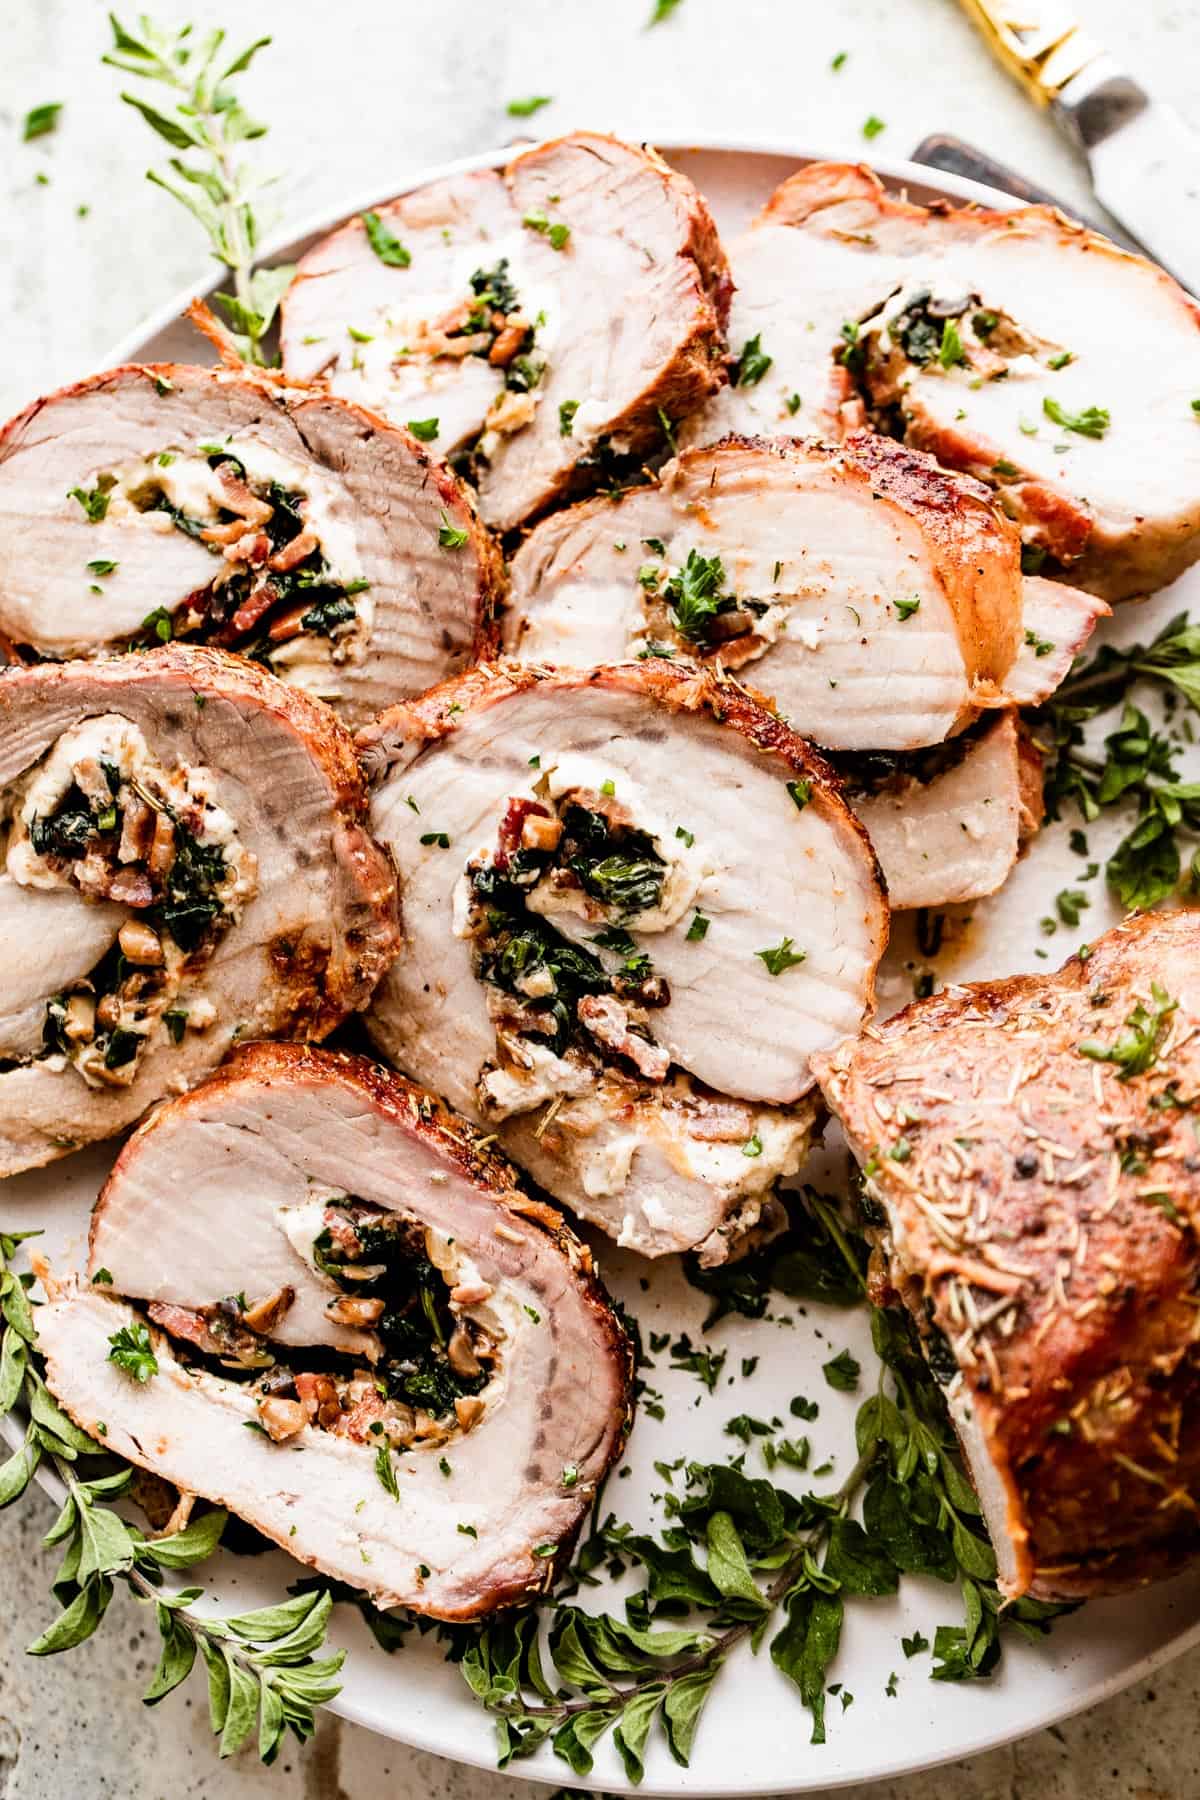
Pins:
x: 1022, y: 1453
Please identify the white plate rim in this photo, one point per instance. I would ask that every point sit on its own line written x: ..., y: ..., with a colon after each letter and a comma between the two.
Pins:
x: 897, y: 173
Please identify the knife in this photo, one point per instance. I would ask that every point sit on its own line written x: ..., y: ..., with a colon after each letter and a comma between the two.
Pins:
x: 1144, y: 161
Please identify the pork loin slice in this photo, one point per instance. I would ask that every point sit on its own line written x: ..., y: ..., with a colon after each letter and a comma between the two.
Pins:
x: 951, y: 831
x: 876, y: 597
x: 212, y: 504
x: 540, y: 315
x: 1014, y: 344
x: 255, y: 1180
x: 1031, y: 1174
x: 648, y: 836
x: 186, y: 863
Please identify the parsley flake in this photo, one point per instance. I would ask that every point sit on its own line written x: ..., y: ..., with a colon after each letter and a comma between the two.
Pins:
x: 131, y: 1350
x: 781, y: 957
x: 386, y: 246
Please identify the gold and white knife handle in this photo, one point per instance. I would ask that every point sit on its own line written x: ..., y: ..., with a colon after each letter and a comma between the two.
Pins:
x: 1144, y: 162
x: 1045, y: 47
x: 1058, y: 63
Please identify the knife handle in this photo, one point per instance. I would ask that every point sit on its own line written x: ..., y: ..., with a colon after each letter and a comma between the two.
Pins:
x: 1042, y: 45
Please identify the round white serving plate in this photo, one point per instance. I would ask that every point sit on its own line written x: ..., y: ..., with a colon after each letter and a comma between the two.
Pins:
x: 754, y: 1738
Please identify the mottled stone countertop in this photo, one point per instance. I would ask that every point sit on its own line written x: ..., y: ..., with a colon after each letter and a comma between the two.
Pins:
x: 379, y: 88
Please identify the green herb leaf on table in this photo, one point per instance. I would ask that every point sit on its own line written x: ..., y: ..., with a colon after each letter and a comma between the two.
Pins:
x: 263, y: 1667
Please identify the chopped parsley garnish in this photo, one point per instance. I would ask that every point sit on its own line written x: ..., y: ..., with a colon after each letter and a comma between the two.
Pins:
x: 94, y: 502
x: 695, y: 597
x: 131, y: 1350
x: 103, y: 565
x: 1060, y: 360
x: 1039, y: 646
x: 424, y: 430
x: 793, y: 404
x: 1003, y: 467
x: 557, y: 234
x: 951, y: 349
x: 687, y: 837
x: 751, y: 365
x: 839, y: 61
x: 385, y: 1470
x: 1070, y: 903
x: 698, y: 928
x: 1092, y: 422
x: 842, y: 1372
x: 801, y: 792
x: 566, y: 417
x: 781, y: 957
x: 386, y: 246
x: 872, y: 126
x: 440, y: 838
x: 450, y: 536
x: 40, y: 120
x: 159, y: 622
x: 662, y: 11
x: 525, y: 109
x: 102, y: 1278
x: 905, y: 608
x: 752, y: 1146
x: 1135, y: 1052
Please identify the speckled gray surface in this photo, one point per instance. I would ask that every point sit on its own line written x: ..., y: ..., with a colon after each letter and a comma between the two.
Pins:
x: 381, y: 87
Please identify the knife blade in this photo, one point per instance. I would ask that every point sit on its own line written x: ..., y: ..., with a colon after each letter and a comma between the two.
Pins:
x: 1144, y: 161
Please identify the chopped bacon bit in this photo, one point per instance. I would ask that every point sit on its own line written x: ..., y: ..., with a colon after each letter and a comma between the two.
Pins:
x: 319, y: 1397
x: 162, y: 849
x: 343, y: 1232
x: 289, y: 555
x: 357, y: 1421
x: 507, y: 345
x: 252, y: 548
x: 289, y: 624
x: 137, y: 829
x: 608, y: 1022
x: 239, y: 499
x: 512, y: 826
x: 130, y: 886
x: 182, y: 1322
x: 251, y: 611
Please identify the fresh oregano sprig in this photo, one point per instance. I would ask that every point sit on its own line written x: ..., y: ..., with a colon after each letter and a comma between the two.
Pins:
x: 742, y: 1558
x: 1138, y: 761
x: 263, y: 1667
x: 209, y: 127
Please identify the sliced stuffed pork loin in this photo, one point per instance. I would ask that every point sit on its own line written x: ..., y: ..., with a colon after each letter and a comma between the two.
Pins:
x: 1033, y: 1186
x: 1012, y: 344
x: 634, y: 905
x: 876, y: 597
x: 185, y: 863
x: 434, y: 1342
x: 948, y: 824
x: 536, y: 316
x: 212, y: 504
